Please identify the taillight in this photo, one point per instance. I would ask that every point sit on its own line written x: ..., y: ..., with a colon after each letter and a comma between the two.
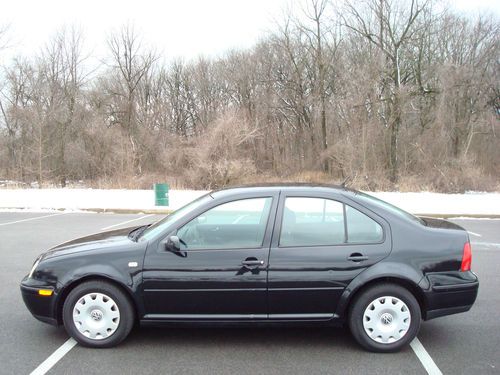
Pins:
x: 466, y: 258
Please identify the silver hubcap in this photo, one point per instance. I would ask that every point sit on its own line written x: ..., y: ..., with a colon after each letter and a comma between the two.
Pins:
x: 386, y: 319
x: 96, y: 316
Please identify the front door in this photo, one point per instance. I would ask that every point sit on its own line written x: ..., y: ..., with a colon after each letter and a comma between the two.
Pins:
x: 221, y: 271
x: 320, y: 245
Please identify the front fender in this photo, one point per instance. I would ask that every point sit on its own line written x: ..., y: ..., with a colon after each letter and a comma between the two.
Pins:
x: 124, y: 268
x: 382, y: 271
x: 128, y: 282
x: 112, y: 272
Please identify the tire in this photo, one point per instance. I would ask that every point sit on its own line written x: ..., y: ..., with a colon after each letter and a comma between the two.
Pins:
x: 384, y: 318
x: 98, y: 314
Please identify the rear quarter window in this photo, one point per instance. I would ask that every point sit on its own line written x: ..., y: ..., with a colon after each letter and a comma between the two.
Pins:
x: 361, y: 228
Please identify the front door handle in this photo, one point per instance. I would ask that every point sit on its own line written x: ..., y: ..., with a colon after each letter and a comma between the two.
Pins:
x: 357, y: 257
x: 252, y: 263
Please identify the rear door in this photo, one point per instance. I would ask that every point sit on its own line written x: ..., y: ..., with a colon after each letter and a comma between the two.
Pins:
x: 319, y: 245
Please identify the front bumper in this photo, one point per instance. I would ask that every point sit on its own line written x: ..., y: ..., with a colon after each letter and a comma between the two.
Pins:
x: 449, y: 293
x: 41, y: 307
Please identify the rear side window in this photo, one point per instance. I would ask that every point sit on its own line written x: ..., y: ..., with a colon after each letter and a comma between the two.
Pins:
x: 312, y: 222
x: 361, y: 228
x: 324, y: 222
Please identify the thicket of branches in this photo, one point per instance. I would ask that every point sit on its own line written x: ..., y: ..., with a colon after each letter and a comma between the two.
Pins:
x: 384, y: 94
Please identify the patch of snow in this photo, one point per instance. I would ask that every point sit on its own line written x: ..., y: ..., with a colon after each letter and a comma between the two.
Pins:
x: 474, y: 218
x: 48, y: 210
x: 444, y: 204
x: 85, y: 199
x: 471, y: 203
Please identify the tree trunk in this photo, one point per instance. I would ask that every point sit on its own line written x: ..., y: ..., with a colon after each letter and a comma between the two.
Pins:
x: 393, y: 151
x: 323, y: 134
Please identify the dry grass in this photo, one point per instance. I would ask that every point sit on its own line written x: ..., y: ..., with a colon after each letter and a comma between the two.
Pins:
x: 446, y: 180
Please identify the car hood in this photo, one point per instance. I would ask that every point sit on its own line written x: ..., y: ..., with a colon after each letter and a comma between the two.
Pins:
x: 101, y: 240
x: 432, y: 222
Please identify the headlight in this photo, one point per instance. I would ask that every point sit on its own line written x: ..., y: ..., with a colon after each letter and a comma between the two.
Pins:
x: 35, y: 265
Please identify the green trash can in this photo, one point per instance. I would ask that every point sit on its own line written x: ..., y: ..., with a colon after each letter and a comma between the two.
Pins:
x: 161, y: 194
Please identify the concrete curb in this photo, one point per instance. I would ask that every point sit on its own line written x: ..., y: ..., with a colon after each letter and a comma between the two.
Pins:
x: 164, y: 211
x: 95, y: 210
x: 128, y: 211
x: 470, y: 216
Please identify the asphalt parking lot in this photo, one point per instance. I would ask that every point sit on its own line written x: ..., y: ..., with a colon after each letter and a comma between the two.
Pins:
x: 458, y: 344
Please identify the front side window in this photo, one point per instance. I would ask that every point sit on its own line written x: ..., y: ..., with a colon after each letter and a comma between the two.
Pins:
x: 160, y: 226
x: 237, y: 224
x: 312, y: 222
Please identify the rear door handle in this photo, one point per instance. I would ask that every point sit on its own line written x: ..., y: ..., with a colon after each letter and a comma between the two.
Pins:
x: 252, y: 263
x: 357, y: 257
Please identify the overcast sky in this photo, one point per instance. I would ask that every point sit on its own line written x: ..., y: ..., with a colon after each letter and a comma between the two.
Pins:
x: 177, y: 28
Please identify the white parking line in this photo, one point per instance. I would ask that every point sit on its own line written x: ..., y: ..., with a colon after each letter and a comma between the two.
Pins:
x: 125, y: 222
x: 54, y: 357
x: 474, y: 234
x: 31, y: 218
x: 424, y: 357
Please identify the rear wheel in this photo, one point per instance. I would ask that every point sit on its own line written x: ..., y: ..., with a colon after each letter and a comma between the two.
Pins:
x: 384, y: 318
x: 98, y: 314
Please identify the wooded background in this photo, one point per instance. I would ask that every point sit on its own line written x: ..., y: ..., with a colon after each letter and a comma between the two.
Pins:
x: 382, y: 94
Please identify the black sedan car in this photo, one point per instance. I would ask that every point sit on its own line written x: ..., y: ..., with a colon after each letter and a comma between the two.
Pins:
x: 295, y: 254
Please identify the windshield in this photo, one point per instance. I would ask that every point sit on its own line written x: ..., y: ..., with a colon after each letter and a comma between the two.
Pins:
x: 389, y: 207
x: 162, y: 224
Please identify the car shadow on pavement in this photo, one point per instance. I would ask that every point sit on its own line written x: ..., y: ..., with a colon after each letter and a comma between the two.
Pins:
x: 247, y: 336
x: 249, y: 350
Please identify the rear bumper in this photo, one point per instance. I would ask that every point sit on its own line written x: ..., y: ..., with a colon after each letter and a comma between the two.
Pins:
x: 449, y: 293
x: 41, y: 307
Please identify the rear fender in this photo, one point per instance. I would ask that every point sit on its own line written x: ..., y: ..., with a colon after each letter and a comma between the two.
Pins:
x: 398, y: 273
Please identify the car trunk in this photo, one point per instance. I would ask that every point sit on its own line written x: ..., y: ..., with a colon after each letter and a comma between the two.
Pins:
x: 440, y: 223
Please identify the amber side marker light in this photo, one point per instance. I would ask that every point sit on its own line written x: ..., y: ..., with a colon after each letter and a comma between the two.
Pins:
x: 45, y: 292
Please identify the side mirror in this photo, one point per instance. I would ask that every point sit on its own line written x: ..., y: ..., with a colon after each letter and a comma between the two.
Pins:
x: 173, y: 244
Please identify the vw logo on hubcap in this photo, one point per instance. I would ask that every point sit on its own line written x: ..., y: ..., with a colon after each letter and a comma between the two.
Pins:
x: 386, y: 318
x: 96, y: 315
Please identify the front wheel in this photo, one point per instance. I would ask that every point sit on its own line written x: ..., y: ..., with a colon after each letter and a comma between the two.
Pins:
x: 384, y: 318
x: 98, y: 314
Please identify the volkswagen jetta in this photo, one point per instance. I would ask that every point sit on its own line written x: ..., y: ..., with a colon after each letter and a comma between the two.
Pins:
x: 288, y: 254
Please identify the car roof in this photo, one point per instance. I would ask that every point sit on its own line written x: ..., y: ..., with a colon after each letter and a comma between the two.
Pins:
x: 272, y: 187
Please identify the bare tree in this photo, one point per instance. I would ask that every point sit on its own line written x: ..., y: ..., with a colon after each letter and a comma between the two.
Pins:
x: 63, y: 59
x: 4, y: 29
x: 293, y: 89
x: 131, y: 63
x: 323, y: 41
x: 395, y: 93
x: 390, y: 26
x: 14, y: 99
